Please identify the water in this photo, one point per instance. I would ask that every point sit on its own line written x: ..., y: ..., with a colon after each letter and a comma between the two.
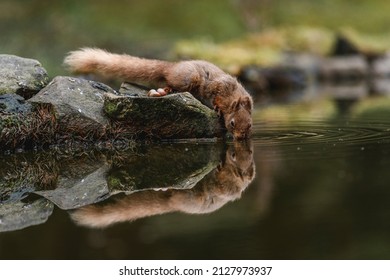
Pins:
x: 311, y: 188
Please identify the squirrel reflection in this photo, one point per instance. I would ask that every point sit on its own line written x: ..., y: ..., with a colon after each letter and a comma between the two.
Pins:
x: 223, y: 184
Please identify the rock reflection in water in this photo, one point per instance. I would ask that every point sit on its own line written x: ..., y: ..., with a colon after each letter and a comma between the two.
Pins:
x: 19, y: 215
x: 196, y: 177
x: 224, y: 183
x: 32, y: 183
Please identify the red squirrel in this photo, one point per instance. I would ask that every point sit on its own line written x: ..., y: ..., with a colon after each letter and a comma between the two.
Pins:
x: 204, y: 80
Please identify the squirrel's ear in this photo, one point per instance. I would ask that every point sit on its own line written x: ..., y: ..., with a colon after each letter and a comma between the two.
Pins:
x: 246, y: 102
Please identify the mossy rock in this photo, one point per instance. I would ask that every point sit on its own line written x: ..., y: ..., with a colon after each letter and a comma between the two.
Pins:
x: 174, y: 116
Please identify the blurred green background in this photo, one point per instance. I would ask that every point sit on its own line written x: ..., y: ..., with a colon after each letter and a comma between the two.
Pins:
x: 47, y: 30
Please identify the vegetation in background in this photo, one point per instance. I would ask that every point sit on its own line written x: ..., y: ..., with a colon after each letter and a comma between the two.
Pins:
x: 262, y: 48
x: 47, y: 30
x: 369, y: 17
x: 266, y: 48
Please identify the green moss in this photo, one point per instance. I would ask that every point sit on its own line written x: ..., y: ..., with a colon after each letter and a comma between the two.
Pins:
x: 8, y: 125
x: 110, y: 108
x: 114, y: 183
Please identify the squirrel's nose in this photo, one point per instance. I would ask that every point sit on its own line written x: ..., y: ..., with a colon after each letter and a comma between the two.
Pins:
x: 240, y: 135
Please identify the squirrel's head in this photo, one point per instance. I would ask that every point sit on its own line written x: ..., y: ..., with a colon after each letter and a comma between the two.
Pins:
x: 235, y: 103
x: 238, y: 119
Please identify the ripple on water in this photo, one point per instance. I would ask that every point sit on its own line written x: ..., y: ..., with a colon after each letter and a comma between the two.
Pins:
x: 304, y: 136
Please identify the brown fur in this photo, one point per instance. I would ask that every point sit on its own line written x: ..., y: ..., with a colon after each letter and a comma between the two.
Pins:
x: 225, y: 183
x: 204, y: 80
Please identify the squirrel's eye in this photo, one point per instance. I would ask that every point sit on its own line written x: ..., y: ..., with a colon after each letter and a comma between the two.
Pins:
x: 232, y: 123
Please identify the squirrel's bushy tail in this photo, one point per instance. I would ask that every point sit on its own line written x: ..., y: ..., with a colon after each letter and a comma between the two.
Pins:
x: 106, y: 64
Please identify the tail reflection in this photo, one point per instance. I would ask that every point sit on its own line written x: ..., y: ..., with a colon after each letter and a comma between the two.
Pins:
x: 223, y: 184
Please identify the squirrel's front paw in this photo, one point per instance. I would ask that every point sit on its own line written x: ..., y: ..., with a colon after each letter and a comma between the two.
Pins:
x: 153, y: 93
x: 159, y: 92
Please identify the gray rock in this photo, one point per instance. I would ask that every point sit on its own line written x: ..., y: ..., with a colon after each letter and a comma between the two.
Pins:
x: 77, y: 103
x: 14, y: 104
x: 19, y: 215
x: 21, y: 76
x: 174, y: 116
